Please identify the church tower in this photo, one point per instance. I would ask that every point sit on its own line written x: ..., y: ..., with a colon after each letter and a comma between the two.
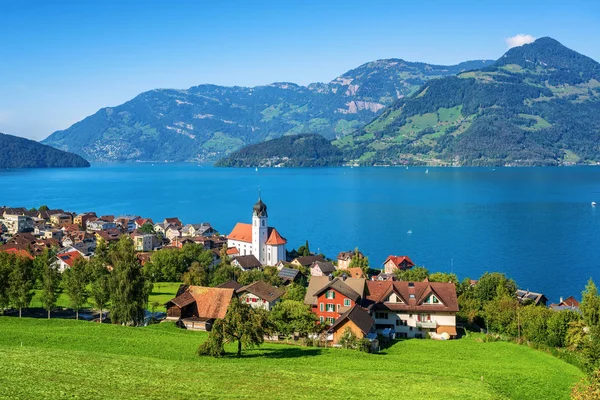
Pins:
x: 260, y: 229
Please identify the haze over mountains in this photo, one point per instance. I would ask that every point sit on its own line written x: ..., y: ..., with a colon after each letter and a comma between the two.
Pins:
x: 536, y: 105
x: 207, y: 121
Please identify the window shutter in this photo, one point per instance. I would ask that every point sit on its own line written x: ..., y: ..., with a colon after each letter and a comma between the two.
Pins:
x: 332, y: 294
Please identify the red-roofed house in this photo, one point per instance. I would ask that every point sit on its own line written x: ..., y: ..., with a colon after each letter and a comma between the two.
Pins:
x: 66, y: 260
x: 19, y: 253
x: 197, y: 307
x: 258, y: 239
x: 393, y: 263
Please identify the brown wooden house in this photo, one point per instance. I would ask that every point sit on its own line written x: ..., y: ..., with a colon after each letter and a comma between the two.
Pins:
x: 197, y: 307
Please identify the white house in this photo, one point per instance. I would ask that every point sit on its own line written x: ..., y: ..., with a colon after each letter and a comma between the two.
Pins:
x: 143, y: 241
x: 414, y: 309
x: 18, y: 223
x: 258, y: 238
x: 260, y: 294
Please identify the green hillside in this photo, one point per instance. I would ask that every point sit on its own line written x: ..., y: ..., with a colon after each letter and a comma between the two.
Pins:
x: 536, y: 105
x: 206, y: 122
x: 18, y: 152
x: 287, y: 151
x: 60, y: 358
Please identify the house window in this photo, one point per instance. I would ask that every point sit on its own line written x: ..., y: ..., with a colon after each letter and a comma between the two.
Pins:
x: 330, y: 308
x: 254, y: 300
x: 346, y: 302
x: 381, y: 315
x: 398, y: 322
x: 412, y: 296
x: 322, y: 307
x: 338, y: 307
x: 330, y: 320
x: 330, y: 294
x: 321, y: 319
x: 263, y: 223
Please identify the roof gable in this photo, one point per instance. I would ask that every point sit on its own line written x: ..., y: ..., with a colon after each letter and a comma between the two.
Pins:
x: 263, y: 290
x: 275, y: 239
x: 358, y: 316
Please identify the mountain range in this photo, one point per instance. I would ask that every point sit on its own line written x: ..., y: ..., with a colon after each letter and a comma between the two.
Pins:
x: 539, y: 104
x: 206, y: 122
x: 18, y: 152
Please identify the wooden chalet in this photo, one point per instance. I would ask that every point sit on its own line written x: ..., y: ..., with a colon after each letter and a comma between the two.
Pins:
x: 197, y: 307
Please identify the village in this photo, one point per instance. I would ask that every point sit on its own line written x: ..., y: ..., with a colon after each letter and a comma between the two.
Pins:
x: 345, y: 294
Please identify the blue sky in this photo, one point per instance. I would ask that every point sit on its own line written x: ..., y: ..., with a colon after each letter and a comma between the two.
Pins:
x: 61, y: 61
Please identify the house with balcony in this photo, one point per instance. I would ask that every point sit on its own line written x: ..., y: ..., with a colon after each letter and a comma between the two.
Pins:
x: 330, y: 298
x: 413, y: 309
x: 17, y: 223
x: 395, y: 263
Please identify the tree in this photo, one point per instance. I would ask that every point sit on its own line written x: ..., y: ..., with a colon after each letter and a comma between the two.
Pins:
x: 75, y: 284
x: 21, y: 281
x: 50, y: 280
x: 359, y: 261
x: 147, y: 228
x: 587, y: 388
x: 6, y: 262
x: 534, y: 323
x: 43, y: 207
x: 295, y: 292
x: 348, y: 340
x: 443, y: 277
x: 415, y: 274
x: 468, y: 308
x: 590, y: 305
x: 197, y: 275
x: 558, y: 327
x: 501, y: 315
x: 245, y: 325
x: 292, y: 316
x: 487, y: 286
x: 99, y: 284
x: 129, y: 288
x: 213, y: 345
x: 304, y: 250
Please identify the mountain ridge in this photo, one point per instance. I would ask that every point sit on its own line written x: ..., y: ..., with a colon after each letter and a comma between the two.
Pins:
x: 208, y: 121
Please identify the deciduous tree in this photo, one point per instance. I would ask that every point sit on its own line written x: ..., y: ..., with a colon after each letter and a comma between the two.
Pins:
x: 99, y: 284
x: 292, y: 316
x: 75, y: 280
x: 21, y: 281
x: 50, y: 280
x: 590, y: 305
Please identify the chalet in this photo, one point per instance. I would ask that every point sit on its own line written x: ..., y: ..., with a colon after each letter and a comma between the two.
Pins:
x: 322, y: 268
x: 246, y: 263
x: 173, y: 221
x: 162, y: 228
x: 329, y: 298
x: 525, y: 296
x: 203, y: 229
x: 260, y: 294
x: 197, y: 307
x: 290, y: 275
x: 307, y: 261
x: 570, y: 303
x: 345, y: 257
x: 139, y: 222
x: 413, y: 309
x: 66, y: 260
x: 357, y: 320
x: 382, y: 276
x: 395, y: 263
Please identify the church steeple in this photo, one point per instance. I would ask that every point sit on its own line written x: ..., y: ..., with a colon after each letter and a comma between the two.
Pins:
x: 259, y: 209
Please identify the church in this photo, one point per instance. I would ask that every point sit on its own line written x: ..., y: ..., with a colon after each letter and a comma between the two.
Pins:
x: 258, y: 238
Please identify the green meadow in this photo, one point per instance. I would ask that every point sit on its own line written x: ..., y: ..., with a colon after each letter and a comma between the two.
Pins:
x: 76, y: 359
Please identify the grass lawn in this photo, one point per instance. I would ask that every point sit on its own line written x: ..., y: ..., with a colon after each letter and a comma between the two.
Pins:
x: 161, y: 293
x: 76, y: 359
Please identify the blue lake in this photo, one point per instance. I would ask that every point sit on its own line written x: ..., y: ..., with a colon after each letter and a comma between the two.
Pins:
x: 535, y: 224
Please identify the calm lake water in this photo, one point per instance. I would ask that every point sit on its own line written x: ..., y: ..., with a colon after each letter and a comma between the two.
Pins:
x: 535, y: 224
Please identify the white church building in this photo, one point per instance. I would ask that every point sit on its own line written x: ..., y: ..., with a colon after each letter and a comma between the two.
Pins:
x: 258, y: 239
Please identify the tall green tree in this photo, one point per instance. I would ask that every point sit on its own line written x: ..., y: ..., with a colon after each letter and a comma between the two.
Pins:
x: 359, y: 261
x: 415, y: 274
x: 21, y: 282
x: 590, y: 305
x: 295, y: 292
x: 6, y: 262
x: 488, y: 286
x: 129, y: 287
x: 147, y: 228
x: 99, y: 284
x: 245, y: 325
x: 292, y: 316
x: 197, y: 275
x: 50, y: 280
x: 75, y: 280
x: 443, y: 277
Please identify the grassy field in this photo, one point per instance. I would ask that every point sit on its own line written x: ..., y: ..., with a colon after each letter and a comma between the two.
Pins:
x: 161, y: 293
x: 75, y: 359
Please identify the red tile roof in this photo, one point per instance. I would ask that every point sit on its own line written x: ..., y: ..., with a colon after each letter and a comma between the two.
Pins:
x: 355, y: 272
x: 380, y: 290
x: 275, y: 238
x: 241, y: 232
x: 19, y: 253
x: 70, y: 257
x: 569, y: 302
x: 397, y: 260
x: 232, y: 251
x: 211, y: 303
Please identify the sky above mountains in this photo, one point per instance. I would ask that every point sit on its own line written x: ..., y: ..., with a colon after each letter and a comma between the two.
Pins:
x: 64, y: 60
